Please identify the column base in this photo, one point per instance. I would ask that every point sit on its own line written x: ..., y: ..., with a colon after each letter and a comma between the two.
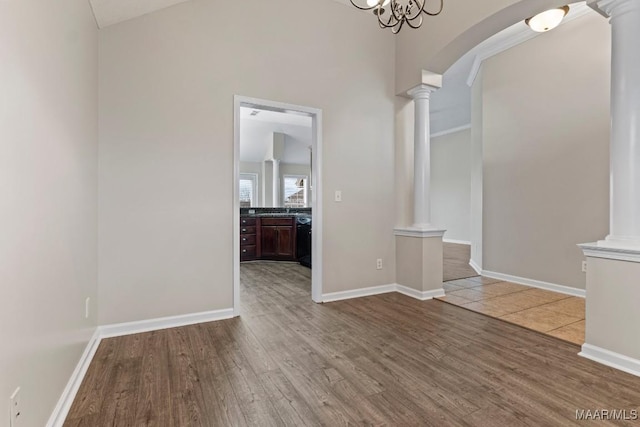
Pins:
x: 612, y: 315
x: 419, y: 261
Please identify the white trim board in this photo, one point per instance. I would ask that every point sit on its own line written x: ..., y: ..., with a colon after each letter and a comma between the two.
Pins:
x: 383, y: 289
x: 422, y: 296
x: 60, y: 412
x: 612, y: 359
x: 567, y: 290
x: 619, y: 254
x: 316, y: 194
x: 129, y: 328
x: 476, y: 267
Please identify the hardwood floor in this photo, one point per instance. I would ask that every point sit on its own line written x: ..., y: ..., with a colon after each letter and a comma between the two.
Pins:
x: 456, y: 261
x: 381, y: 360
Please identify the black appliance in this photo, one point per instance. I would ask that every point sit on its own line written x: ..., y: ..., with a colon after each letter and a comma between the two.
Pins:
x: 303, y: 240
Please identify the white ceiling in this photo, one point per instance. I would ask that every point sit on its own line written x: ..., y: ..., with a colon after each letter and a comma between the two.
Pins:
x: 256, y: 134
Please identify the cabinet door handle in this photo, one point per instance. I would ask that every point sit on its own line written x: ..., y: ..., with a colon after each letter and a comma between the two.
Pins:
x: 244, y: 221
x: 244, y: 239
x: 244, y: 230
x: 244, y: 251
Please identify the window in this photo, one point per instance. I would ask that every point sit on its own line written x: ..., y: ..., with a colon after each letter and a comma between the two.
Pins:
x: 248, y: 190
x: 295, y: 191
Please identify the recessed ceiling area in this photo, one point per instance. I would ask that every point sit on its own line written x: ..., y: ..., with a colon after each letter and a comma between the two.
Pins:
x: 257, y: 127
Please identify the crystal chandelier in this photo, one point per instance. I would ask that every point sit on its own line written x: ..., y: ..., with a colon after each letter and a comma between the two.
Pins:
x: 400, y: 11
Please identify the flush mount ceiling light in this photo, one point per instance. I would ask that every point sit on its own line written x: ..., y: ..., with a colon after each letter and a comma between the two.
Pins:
x: 399, y: 12
x: 547, y: 20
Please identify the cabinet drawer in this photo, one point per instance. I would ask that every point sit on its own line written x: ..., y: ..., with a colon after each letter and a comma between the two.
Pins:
x: 247, y: 253
x: 248, y: 229
x: 277, y: 221
x: 247, y: 239
x: 247, y: 221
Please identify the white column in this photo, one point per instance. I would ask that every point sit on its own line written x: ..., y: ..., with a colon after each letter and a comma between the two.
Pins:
x: 422, y: 157
x: 625, y: 122
x: 277, y: 200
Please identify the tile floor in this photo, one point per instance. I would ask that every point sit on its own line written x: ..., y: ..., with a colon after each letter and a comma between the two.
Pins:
x: 552, y: 313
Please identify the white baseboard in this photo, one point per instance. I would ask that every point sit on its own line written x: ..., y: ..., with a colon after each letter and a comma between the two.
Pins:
x: 63, y: 406
x: 61, y: 410
x: 120, y: 329
x: 536, y: 283
x: 384, y: 289
x: 457, y: 242
x: 476, y: 267
x: 358, y: 293
x: 422, y: 296
x: 612, y: 359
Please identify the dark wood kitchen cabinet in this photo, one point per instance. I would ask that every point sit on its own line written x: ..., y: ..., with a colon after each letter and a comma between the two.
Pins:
x: 249, y: 239
x: 278, y: 239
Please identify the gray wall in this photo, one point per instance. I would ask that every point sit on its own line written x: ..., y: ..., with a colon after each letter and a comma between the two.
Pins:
x: 546, y: 158
x: 167, y: 82
x: 48, y: 198
x: 451, y: 184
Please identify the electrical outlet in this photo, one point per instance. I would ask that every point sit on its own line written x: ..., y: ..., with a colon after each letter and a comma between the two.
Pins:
x: 584, y: 266
x: 16, y: 410
x: 87, y: 307
x: 379, y: 264
x: 338, y: 196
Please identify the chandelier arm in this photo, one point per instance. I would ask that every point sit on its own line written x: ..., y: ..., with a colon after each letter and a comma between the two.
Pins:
x: 433, y: 13
x: 389, y: 24
x: 419, y: 18
x: 396, y: 30
x: 363, y: 8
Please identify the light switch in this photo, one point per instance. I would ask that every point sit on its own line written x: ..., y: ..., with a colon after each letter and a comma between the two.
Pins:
x: 338, y: 196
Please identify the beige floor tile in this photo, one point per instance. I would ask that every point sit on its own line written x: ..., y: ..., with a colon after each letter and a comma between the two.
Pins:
x: 573, y: 333
x: 540, y: 319
x: 572, y: 306
x: 450, y: 287
x: 452, y: 299
x: 489, y: 308
x: 483, y: 280
x: 464, y: 283
x: 472, y: 294
x: 544, y: 296
x: 501, y: 288
x: 517, y: 301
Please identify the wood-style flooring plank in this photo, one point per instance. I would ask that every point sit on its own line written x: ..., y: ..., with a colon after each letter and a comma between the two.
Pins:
x: 382, y: 360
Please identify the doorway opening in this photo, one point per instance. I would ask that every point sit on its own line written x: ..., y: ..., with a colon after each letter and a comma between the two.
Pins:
x: 277, y: 187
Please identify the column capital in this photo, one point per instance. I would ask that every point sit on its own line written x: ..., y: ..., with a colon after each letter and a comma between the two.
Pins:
x: 422, y: 91
x: 613, y: 8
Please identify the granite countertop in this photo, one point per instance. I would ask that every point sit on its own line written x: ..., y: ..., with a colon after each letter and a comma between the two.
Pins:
x: 275, y: 212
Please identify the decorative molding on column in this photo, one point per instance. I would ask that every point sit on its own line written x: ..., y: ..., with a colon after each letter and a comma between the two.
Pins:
x: 613, y: 8
x: 422, y: 91
x: 418, y: 232
x: 609, y: 250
